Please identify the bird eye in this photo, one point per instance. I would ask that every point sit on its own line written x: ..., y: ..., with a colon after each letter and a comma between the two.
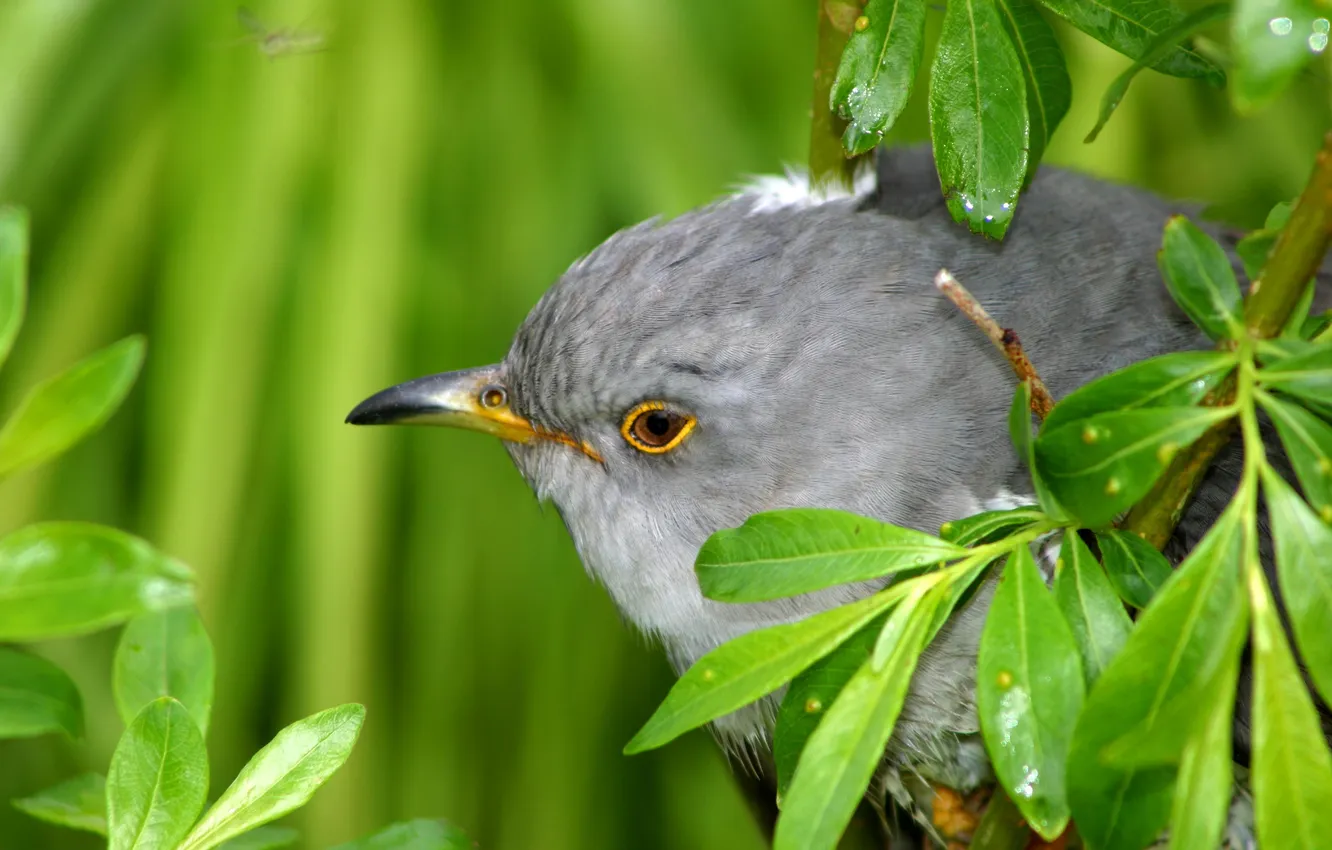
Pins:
x: 493, y: 396
x: 654, y: 428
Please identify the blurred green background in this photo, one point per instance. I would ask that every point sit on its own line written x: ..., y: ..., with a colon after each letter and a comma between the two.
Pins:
x: 293, y: 234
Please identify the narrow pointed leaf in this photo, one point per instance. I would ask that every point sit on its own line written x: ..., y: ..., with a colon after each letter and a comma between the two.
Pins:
x: 66, y: 578
x: 1303, y: 546
x: 1308, y: 375
x: 1292, y: 768
x: 1029, y: 690
x: 1204, y: 786
x: 58, y: 413
x: 263, y: 838
x: 36, y: 697
x: 165, y: 654
x: 1135, y: 568
x: 281, y: 777
x: 13, y: 275
x: 1200, y: 278
x: 78, y: 803
x: 1307, y: 440
x: 1272, y: 41
x: 1180, y: 642
x: 847, y: 746
x: 1101, y: 466
x: 891, y: 634
x: 1097, y: 618
x: 878, y: 69
x: 158, y: 779
x: 1254, y: 249
x: 989, y: 526
x: 786, y: 553
x: 751, y: 666
x: 1161, y: 47
x: 1049, y: 91
x: 1019, y: 431
x: 413, y: 835
x: 1299, y: 315
x: 812, y: 693
x: 1171, y: 380
x: 978, y: 117
x: 1132, y: 27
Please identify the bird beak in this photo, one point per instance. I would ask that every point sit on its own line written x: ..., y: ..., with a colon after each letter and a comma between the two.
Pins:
x: 474, y: 399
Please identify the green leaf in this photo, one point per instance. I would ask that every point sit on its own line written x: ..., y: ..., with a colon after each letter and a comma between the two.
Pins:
x: 1179, y: 643
x: 1135, y: 568
x: 1019, y: 431
x: 1204, y: 785
x: 1254, y: 249
x: 1097, y: 618
x: 281, y: 777
x: 78, y: 803
x: 66, y: 578
x: 158, y: 779
x: 1199, y: 277
x: 1002, y: 826
x: 263, y: 838
x: 413, y: 835
x: 978, y: 117
x: 847, y: 746
x: 1171, y: 380
x: 1308, y: 443
x: 59, y: 412
x: 1272, y: 41
x: 1029, y: 690
x: 1303, y: 546
x: 1279, y: 216
x: 989, y: 526
x: 1307, y: 376
x: 13, y: 275
x: 161, y: 654
x: 810, y: 695
x: 1101, y: 466
x: 891, y: 634
x: 1299, y: 315
x: 1292, y: 769
x: 1161, y: 47
x: 36, y: 697
x: 1132, y: 27
x: 1049, y: 91
x: 877, y: 71
x: 752, y: 666
x: 789, y: 552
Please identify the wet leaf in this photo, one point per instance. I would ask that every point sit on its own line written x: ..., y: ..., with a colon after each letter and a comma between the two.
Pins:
x: 1102, y: 465
x: 1049, y: 91
x: 1272, y: 41
x: 165, y: 654
x: 1135, y: 568
x: 158, y: 779
x: 1199, y: 277
x: 989, y: 526
x: 752, y: 666
x: 1132, y: 27
x: 1292, y: 769
x: 78, y: 803
x: 13, y: 275
x: 1160, y: 47
x: 789, y: 552
x: 1303, y: 544
x: 58, y: 413
x: 1178, y: 644
x: 878, y: 69
x: 1204, y: 785
x: 37, y: 697
x: 1099, y: 623
x: 812, y: 693
x: 1029, y: 691
x: 1171, y: 380
x: 1307, y: 376
x: 1307, y: 440
x: 66, y: 578
x: 978, y: 117
x: 847, y: 746
x: 413, y: 835
x: 281, y: 777
x: 1019, y: 431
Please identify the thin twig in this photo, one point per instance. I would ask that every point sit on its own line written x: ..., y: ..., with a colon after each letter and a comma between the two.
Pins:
x: 1004, y: 339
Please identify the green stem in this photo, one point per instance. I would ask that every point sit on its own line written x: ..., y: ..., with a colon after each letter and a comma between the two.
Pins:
x: 828, y: 163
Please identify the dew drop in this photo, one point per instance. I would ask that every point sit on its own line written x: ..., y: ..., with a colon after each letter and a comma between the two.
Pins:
x: 1089, y: 435
x: 1324, y: 465
x: 1318, y: 42
x: 1166, y: 452
x: 1281, y: 26
x: 1326, y: 513
x: 945, y: 529
x: 813, y: 705
x: 1112, y: 487
x: 709, y: 675
x: 862, y: 23
x: 1004, y: 679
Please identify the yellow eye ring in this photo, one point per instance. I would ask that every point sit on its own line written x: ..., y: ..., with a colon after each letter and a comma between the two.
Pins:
x: 654, y: 428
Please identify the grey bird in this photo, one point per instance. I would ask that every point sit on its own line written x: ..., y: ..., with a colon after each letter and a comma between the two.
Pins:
x: 786, y: 348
